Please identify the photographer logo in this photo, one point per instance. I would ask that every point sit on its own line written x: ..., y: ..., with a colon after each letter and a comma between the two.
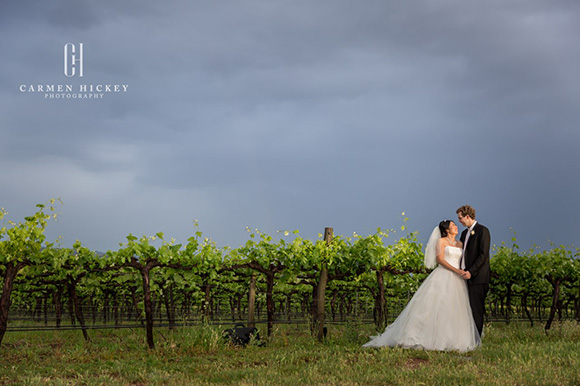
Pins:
x: 73, y: 57
x: 73, y: 68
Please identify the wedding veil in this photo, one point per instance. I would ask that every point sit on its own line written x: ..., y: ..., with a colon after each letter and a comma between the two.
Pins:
x: 431, y: 248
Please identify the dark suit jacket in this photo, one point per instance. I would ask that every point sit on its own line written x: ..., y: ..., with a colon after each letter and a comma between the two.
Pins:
x: 477, y: 254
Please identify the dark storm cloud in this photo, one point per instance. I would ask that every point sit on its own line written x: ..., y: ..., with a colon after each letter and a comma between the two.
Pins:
x: 295, y: 115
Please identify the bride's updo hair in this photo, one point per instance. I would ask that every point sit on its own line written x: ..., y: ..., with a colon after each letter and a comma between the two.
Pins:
x: 444, y: 227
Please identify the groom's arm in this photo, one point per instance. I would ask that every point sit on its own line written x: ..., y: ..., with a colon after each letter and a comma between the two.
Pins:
x: 482, y: 252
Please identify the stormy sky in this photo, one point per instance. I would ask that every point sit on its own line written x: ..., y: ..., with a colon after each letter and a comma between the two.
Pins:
x: 284, y: 115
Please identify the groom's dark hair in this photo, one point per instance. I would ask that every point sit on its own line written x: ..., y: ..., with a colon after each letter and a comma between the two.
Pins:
x: 466, y: 210
x: 444, y: 227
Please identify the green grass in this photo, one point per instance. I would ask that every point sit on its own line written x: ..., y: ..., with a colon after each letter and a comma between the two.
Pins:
x: 516, y: 354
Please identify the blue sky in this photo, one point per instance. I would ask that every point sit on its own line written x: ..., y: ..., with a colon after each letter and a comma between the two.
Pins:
x: 300, y: 115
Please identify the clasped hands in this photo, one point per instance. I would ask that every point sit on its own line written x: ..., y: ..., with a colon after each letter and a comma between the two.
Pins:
x: 466, y: 275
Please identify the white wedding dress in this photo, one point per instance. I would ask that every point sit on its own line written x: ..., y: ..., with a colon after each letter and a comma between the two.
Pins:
x: 438, y: 317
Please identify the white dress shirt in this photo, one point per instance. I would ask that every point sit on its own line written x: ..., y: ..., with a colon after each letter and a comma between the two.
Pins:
x: 462, y: 265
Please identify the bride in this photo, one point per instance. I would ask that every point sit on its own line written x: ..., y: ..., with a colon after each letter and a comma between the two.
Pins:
x: 438, y: 317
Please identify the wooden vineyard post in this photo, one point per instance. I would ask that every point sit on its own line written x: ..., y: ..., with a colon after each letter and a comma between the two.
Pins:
x: 252, y: 301
x: 322, y: 288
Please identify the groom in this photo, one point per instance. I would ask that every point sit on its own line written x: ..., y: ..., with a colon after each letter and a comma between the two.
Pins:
x: 475, y: 262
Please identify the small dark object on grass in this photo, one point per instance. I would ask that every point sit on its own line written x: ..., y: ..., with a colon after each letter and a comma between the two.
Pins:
x: 241, y: 335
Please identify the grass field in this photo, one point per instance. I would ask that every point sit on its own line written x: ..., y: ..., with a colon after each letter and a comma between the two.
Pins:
x: 513, y: 354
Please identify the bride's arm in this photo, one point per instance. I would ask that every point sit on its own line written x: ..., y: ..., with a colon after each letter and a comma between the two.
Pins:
x: 441, y: 257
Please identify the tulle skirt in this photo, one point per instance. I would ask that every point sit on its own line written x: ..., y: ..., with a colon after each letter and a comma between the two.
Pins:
x: 438, y: 317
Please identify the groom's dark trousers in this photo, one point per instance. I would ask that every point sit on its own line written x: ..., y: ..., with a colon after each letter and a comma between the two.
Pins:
x: 477, y: 294
x: 477, y: 263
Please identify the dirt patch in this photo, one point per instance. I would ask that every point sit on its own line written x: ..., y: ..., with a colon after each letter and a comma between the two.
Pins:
x: 56, y: 345
x: 413, y: 363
